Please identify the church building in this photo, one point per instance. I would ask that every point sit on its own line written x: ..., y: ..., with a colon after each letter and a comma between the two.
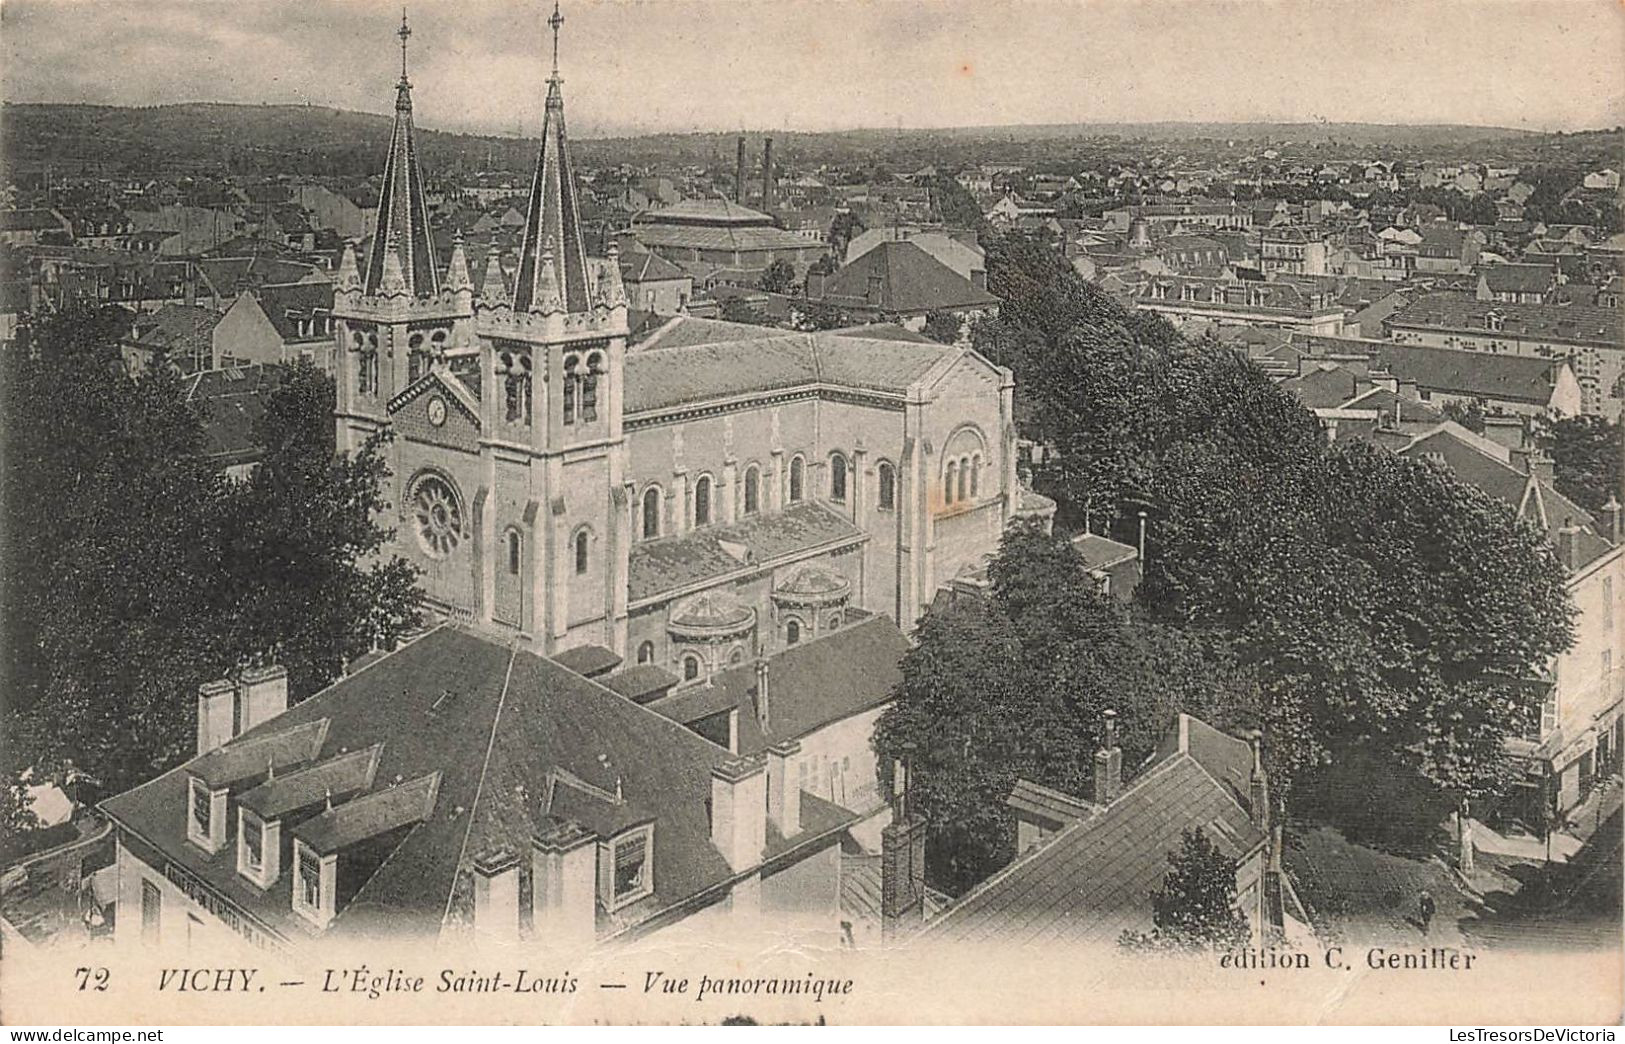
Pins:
x: 690, y: 506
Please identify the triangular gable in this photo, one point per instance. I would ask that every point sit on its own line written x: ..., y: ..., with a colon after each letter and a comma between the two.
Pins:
x: 456, y: 393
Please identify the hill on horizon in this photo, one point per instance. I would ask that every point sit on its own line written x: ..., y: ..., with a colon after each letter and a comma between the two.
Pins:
x: 314, y: 140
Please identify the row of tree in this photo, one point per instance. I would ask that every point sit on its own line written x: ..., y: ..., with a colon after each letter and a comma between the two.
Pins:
x: 1360, y: 607
x: 135, y: 570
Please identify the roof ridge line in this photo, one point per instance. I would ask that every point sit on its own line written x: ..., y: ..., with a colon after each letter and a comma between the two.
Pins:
x: 479, y: 789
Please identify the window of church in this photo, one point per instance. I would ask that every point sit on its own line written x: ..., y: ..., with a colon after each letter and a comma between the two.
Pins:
x: 583, y: 545
x: 702, y: 501
x: 515, y: 549
x: 439, y: 518
x: 792, y: 632
x: 691, y: 667
x: 589, y: 387
x: 834, y: 621
x: 964, y: 477
x: 975, y: 473
x: 886, y: 477
x: 837, y: 478
x: 798, y: 469
x: 948, y: 483
x: 651, y: 513
x: 572, y: 387
x: 753, y: 490
x: 646, y: 652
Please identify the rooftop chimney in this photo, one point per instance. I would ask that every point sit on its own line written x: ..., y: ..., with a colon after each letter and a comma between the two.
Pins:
x: 263, y: 694
x: 739, y: 173
x: 564, y: 895
x: 1509, y: 432
x: 496, y: 896
x: 1258, y: 796
x: 902, y: 875
x: 784, y: 788
x: 1108, y: 762
x: 768, y: 187
x: 1568, y: 545
x: 1613, y: 519
x: 763, y: 709
x: 217, y: 713
x: 738, y: 804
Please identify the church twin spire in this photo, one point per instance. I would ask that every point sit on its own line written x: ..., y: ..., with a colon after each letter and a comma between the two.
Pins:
x: 553, y: 273
x: 402, y: 255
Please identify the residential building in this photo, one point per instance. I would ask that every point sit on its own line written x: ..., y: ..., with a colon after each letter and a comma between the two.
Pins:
x: 716, y: 240
x: 1292, y: 250
x: 1193, y: 302
x: 1517, y: 283
x: 900, y: 280
x: 654, y: 284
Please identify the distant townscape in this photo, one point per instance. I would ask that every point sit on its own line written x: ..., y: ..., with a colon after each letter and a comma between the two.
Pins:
x: 1159, y: 538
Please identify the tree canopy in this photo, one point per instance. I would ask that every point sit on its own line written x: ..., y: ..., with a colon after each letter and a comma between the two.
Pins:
x: 1194, y: 907
x: 135, y: 570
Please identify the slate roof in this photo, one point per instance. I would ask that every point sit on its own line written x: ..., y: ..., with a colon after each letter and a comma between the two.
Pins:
x: 810, y: 685
x: 1461, y: 313
x: 514, y: 745
x: 710, y: 212
x: 231, y: 401
x: 1519, y: 279
x: 287, y: 303
x: 1094, y: 879
x: 1098, y: 552
x: 184, y: 331
x: 1505, y: 378
x: 1326, y: 385
x: 679, y: 376
x: 905, y: 279
x: 669, y: 565
x: 229, y: 276
x: 645, y: 267
x: 745, y: 238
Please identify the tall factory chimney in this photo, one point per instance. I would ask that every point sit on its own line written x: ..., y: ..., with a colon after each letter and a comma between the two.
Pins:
x: 739, y: 174
x: 769, y: 186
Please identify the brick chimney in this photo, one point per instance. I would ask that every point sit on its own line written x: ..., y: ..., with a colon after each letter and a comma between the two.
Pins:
x: 1568, y: 545
x: 768, y: 186
x: 1108, y: 762
x: 262, y: 693
x: 763, y: 708
x: 217, y: 714
x: 1613, y: 519
x: 739, y: 811
x: 1258, y: 792
x: 564, y: 885
x: 496, y: 896
x: 784, y: 787
x: 1508, y: 432
x: 902, y: 876
x: 739, y: 173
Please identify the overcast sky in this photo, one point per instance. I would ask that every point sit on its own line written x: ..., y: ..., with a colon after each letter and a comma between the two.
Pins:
x: 479, y: 65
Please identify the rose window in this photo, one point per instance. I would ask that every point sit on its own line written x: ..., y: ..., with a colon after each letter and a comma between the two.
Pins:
x: 439, y: 520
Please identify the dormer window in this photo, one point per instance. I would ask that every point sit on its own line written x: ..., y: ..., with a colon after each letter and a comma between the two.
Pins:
x: 314, y: 877
x: 205, y: 815
x: 627, y: 871
x: 259, y: 845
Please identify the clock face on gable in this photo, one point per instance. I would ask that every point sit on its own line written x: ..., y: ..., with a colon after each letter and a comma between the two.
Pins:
x: 437, y: 411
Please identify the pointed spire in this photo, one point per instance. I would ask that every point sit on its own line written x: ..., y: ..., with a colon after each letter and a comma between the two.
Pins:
x: 457, y: 278
x: 349, y: 276
x: 493, y: 291
x: 394, y: 278
x: 548, y: 299
x: 553, y: 214
x: 403, y: 209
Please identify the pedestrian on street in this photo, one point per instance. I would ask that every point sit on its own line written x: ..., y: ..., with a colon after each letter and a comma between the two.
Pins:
x: 1425, y: 909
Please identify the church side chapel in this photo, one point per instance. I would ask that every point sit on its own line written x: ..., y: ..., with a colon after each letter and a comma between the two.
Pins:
x: 690, y: 507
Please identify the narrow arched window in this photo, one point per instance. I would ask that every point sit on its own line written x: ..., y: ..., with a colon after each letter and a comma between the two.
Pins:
x: 886, y: 479
x: 646, y: 652
x: 797, y: 475
x: 582, y: 541
x: 837, y: 478
x: 572, y: 388
x: 834, y: 621
x: 792, y: 632
x: 589, y: 387
x: 651, y: 513
x: 702, y: 501
x: 948, y: 483
x: 975, y: 473
x: 691, y: 667
x: 515, y: 547
x: 964, y: 477
x: 753, y: 490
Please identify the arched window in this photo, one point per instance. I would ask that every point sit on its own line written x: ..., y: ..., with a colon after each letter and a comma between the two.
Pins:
x: 887, y: 480
x: 964, y: 477
x: 439, y: 516
x: 589, y: 387
x: 691, y: 667
x: 737, y: 656
x: 651, y: 512
x: 948, y: 483
x: 792, y: 632
x: 572, y: 386
x: 583, y: 540
x: 702, y: 501
x: 834, y: 621
x: 515, y: 547
x: 837, y: 478
x: 975, y: 473
x: 797, y: 475
x: 646, y: 652
x: 753, y: 490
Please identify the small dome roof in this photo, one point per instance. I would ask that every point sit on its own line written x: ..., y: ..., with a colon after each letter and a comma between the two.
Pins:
x: 711, y: 614
x: 813, y: 585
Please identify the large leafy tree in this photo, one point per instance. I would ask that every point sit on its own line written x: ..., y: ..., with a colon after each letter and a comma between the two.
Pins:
x: 135, y: 571
x: 1588, y: 459
x: 303, y: 580
x: 1194, y: 907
